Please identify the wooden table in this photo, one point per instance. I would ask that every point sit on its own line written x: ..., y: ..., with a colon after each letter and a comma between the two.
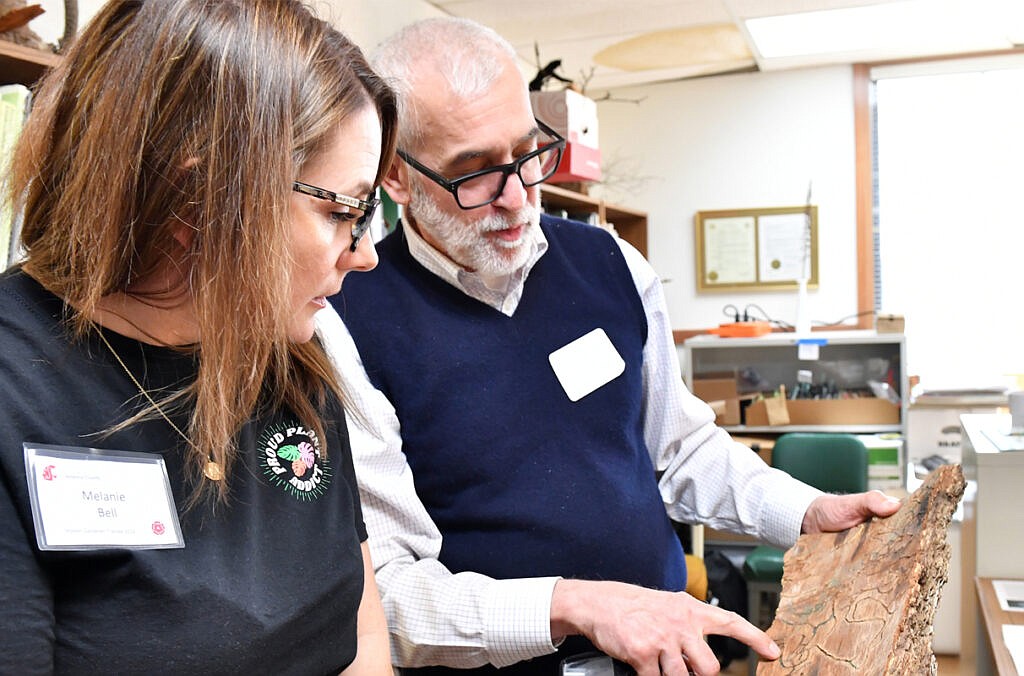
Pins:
x: 994, y: 618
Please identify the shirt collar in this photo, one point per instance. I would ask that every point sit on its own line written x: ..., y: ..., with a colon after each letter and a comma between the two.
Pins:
x: 506, y: 299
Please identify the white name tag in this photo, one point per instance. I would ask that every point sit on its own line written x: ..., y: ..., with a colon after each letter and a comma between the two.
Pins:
x: 87, y: 498
x: 586, y: 364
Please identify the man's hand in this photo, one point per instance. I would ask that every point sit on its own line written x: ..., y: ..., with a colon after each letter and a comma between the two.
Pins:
x: 651, y: 630
x: 830, y: 513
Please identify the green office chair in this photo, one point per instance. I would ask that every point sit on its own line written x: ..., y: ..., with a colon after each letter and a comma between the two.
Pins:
x: 834, y: 463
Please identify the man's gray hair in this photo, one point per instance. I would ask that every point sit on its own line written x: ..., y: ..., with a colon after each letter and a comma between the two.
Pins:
x: 468, y: 55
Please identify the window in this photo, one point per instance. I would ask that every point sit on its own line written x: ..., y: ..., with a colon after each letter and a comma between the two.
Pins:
x: 949, y: 170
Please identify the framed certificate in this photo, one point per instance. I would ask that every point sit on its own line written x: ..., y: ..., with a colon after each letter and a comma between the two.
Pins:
x: 759, y: 249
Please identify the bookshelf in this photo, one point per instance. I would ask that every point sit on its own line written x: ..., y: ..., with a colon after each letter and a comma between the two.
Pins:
x: 629, y: 223
x: 23, y: 65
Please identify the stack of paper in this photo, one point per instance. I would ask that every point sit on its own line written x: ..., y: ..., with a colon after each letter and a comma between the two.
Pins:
x: 1013, y: 636
x: 1010, y: 594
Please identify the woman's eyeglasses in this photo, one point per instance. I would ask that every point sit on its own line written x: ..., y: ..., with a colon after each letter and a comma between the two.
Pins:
x: 361, y: 209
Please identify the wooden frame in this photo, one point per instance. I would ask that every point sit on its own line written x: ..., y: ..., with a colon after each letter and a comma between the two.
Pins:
x: 865, y: 192
x: 756, y: 249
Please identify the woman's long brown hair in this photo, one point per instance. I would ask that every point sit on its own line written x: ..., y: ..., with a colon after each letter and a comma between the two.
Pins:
x: 197, y: 113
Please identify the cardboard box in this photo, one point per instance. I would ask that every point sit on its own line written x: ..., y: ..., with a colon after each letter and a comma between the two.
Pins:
x: 579, y: 163
x: 934, y: 428
x: 864, y: 411
x: 890, y: 323
x: 570, y: 113
x: 712, y: 390
x: 933, y: 431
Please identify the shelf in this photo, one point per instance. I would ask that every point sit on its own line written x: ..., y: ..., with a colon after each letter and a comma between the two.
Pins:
x: 746, y: 367
x: 23, y: 65
x: 629, y: 223
x: 781, y: 429
x: 566, y: 199
x: 853, y: 337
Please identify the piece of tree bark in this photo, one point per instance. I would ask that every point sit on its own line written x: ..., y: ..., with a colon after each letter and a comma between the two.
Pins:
x: 863, y: 601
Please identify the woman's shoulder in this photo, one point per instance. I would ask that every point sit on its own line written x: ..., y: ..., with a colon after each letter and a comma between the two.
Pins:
x: 24, y: 300
x: 32, y: 320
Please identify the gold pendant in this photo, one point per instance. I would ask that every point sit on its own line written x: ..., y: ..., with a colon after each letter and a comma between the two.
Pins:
x: 213, y: 471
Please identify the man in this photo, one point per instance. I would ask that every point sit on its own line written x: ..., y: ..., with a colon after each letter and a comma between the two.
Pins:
x: 525, y: 367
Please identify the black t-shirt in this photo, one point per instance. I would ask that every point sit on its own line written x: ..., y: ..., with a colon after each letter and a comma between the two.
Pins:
x: 269, y: 583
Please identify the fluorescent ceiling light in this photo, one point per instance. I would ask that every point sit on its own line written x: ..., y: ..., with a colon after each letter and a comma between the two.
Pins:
x: 937, y: 26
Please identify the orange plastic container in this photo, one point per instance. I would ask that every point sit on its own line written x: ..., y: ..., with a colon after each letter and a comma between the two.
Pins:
x: 742, y: 329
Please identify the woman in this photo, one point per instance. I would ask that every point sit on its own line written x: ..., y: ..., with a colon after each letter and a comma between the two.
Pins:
x: 176, y: 486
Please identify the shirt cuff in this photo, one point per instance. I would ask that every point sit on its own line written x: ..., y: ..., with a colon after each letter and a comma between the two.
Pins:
x: 517, y: 619
x: 784, y: 511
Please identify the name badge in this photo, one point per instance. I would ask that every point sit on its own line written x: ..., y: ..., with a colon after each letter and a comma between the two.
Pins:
x: 88, y: 498
x: 586, y: 364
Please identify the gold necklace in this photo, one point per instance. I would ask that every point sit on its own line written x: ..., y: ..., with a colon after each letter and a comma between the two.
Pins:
x: 213, y: 471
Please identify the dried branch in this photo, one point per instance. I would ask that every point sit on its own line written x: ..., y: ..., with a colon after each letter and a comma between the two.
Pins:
x: 608, y: 97
x: 621, y: 177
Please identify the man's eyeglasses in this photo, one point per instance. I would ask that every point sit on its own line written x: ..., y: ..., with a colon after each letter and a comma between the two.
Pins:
x: 483, y: 187
x: 362, y: 210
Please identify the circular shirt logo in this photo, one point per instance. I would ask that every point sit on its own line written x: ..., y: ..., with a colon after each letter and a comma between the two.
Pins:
x: 291, y: 458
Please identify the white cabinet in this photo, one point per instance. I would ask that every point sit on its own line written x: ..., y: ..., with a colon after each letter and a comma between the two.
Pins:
x: 993, y: 523
x: 841, y: 364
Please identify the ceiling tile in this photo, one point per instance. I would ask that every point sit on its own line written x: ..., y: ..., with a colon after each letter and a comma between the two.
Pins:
x: 610, y: 43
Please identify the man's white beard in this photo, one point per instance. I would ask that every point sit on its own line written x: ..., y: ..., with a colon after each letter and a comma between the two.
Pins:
x: 466, y: 243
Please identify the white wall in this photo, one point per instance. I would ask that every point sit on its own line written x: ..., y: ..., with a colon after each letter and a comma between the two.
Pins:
x: 736, y: 142
x: 366, y: 22
x: 729, y: 142
x: 49, y: 25
x: 726, y: 142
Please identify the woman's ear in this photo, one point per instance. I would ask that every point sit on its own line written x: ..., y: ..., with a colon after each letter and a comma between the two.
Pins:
x: 183, y: 234
x: 396, y: 182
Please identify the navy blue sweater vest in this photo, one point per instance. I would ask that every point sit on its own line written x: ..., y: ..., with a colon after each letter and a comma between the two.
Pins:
x: 520, y: 480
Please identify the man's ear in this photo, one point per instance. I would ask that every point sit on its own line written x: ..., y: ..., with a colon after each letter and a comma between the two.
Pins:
x: 396, y: 182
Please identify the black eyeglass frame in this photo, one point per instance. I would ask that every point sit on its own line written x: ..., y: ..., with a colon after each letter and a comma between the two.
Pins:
x: 506, y: 170
x: 368, y: 207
